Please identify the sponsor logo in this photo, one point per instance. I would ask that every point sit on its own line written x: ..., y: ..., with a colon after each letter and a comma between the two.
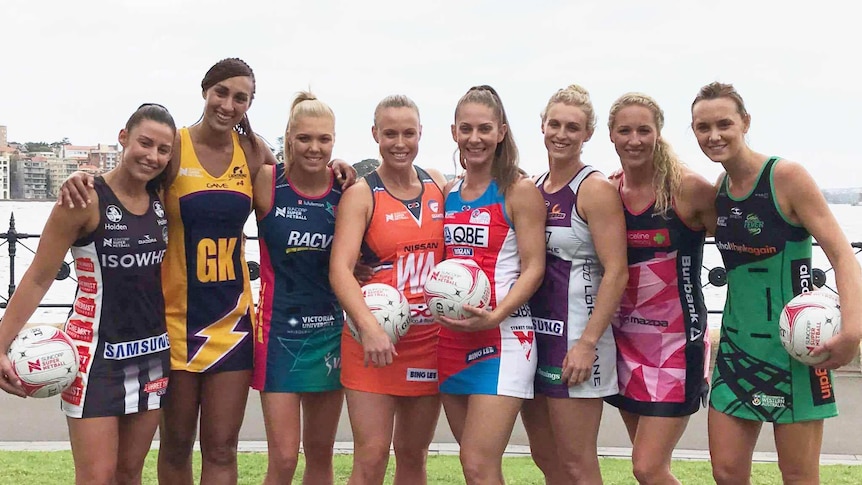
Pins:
x: 451, y: 214
x: 413, y: 205
x: 753, y: 224
x: 332, y: 362
x: 85, y: 264
x: 548, y: 327
x: 551, y: 375
x: 461, y: 251
x: 215, y: 185
x: 309, y: 240
x: 648, y: 238
x: 721, y: 221
x: 113, y: 213
x: 80, y: 330
x: 296, y: 213
x: 412, y: 269
x: 115, y: 227
x: 762, y: 195
x: 136, y: 348
x: 421, y: 247
x: 690, y: 308
x: 736, y: 213
x: 85, y: 306
x: 821, y: 386
x: 420, y: 314
x: 159, y: 386
x: 522, y: 311
x: 434, y: 206
x: 293, y: 322
x: 480, y: 216
x: 481, y: 353
x: 115, y: 242
x: 331, y: 209
x: 744, y: 249
x: 396, y: 216
x: 75, y: 392
x: 470, y: 235
x: 137, y: 260
x: 761, y: 399
x: 555, y: 214
x: 158, y: 209
x: 802, y: 281
x: 631, y: 319
x: 147, y: 239
x: 190, y: 172
x: 88, y: 284
x: 318, y: 321
x: 237, y: 173
x: 162, y: 222
x: 83, y: 357
x: 421, y: 375
x: 525, y: 337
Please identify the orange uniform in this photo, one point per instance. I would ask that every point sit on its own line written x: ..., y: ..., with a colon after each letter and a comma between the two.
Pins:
x: 403, y: 242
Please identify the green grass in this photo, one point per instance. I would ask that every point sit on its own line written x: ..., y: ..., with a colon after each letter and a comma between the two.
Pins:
x: 56, y: 468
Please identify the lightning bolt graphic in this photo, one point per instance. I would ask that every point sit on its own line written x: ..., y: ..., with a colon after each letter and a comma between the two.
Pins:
x: 221, y: 338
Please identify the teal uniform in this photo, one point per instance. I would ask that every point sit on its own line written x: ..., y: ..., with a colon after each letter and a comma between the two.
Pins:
x: 768, y: 261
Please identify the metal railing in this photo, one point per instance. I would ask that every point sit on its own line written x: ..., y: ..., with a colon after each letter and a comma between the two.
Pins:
x: 716, y: 276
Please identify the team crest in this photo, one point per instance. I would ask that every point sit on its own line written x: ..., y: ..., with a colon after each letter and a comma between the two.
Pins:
x: 158, y: 209
x: 113, y: 213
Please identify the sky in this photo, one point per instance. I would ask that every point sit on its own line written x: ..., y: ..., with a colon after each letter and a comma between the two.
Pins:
x: 78, y: 69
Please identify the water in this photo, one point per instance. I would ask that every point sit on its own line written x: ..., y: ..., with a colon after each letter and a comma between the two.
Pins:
x: 30, y: 218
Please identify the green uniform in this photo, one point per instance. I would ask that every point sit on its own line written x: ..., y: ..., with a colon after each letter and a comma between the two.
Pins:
x: 768, y: 261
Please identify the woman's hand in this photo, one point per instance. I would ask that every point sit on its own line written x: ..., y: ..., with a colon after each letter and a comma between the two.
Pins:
x: 578, y: 363
x: 478, y: 320
x: 344, y: 173
x: 842, y: 349
x: 378, y: 347
x: 9, y: 381
x: 74, y: 191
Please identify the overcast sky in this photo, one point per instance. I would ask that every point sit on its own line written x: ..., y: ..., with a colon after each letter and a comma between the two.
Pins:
x: 78, y: 69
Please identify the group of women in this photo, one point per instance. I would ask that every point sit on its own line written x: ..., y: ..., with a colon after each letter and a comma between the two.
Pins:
x: 595, y: 293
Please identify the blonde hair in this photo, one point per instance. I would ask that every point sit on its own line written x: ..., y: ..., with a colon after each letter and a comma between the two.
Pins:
x: 395, y: 101
x: 577, y: 96
x: 667, y: 167
x: 305, y: 104
x: 504, y: 167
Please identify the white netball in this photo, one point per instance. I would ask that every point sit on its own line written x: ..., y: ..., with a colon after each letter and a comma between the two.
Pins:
x: 389, y: 306
x: 807, y: 321
x: 45, y: 360
x: 454, y: 283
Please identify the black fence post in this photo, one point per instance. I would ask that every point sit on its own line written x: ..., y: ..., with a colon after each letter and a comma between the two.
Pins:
x: 12, y: 238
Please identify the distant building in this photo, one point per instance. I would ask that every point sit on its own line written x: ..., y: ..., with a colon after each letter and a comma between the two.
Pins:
x: 58, y: 169
x: 104, y: 156
x: 5, y: 176
x: 3, y: 139
x: 33, y: 178
x: 77, y: 152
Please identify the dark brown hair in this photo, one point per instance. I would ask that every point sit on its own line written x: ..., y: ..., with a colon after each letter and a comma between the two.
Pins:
x: 716, y: 90
x: 159, y: 114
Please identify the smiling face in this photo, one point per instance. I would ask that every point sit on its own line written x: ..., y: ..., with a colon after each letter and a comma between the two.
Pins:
x: 477, y: 132
x: 147, y: 149
x: 397, y: 132
x: 720, y: 128
x: 634, y: 135
x: 227, y: 102
x: 565, y: 130
x: 309, y: 143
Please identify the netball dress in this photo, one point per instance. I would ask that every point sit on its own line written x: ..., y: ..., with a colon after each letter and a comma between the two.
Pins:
x: 402, y: 244
x: 205, y: 277
x: 299, y: 321
x: 768, y: 261
x: 499, y: 361
x: 118, y: 319
x: 564, y: 302
x: 661, y: 328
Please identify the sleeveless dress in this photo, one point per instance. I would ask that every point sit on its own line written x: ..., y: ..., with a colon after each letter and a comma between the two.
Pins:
x: 403, y: 242
x: 499, y: 361
x: 299, y: 321
x: 118, y: 319
x: 768, y: 261
x: 563, y: 304
x: 661, y: 326
x: 208, y: 302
